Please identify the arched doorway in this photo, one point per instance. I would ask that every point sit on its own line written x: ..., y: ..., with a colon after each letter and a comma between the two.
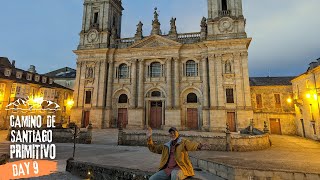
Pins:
x: 192, y: 112
x: 122, y: 112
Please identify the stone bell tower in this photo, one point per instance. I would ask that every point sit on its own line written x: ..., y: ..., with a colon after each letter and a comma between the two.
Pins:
x: 101, y: 22
x: 225, y: 19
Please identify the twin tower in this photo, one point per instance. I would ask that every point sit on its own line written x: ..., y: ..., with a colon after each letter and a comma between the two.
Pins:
x: 101, y: 24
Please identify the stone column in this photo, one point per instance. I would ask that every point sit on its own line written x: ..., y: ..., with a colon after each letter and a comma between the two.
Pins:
x: 219, y: 82
x: 212, y: 82
x: 237, y: 70
x: 109, y: 87
x: 205, y: 82
x: 141, y: 84
x: 77, y: 85
x: 133, y: 83
x: 169, y: 83
x: 81, y: 86
x: 245, y: 76
x: 176, y: 83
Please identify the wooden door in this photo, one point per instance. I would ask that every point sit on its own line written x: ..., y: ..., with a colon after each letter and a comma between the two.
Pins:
x: 275, y: 126
x: 156, y: 114
x: 192, y: 118
x: 231, y: 120
x: 122, y: 117
x: 86, y: 119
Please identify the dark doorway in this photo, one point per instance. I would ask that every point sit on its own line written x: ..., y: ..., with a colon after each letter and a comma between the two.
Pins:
x: 86, y: 119
x: 275, y: 126
x: 156, y: 114
x: 192, y: 118
x: 231, y: 120
x: 122, y: 117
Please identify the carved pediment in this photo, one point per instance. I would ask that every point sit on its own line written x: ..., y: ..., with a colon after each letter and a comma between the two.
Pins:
x: 154, y: 41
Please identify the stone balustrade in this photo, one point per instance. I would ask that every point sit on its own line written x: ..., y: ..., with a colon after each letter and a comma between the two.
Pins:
x: 224, y: 13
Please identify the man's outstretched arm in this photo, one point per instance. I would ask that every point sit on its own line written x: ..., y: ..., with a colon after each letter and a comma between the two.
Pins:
x: 151, y: 146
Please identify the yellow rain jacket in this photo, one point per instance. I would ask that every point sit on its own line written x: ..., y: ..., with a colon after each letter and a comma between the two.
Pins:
x: 180, y: 154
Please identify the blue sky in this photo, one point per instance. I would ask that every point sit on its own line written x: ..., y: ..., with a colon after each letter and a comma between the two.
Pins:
x: 285, y: 33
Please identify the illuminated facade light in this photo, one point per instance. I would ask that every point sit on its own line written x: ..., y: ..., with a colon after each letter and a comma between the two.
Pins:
x: 308, y: 96
x: 289, y: 100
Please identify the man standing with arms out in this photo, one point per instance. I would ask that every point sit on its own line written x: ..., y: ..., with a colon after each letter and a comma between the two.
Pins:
x: 175, y: 163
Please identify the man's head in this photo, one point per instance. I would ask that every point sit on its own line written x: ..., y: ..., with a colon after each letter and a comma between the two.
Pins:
x: 173, y: 133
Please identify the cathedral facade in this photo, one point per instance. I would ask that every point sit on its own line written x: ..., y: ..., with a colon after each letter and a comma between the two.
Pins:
x: 193, y: 81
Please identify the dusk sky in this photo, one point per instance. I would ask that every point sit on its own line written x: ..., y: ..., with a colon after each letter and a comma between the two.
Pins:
x: 286, y: 33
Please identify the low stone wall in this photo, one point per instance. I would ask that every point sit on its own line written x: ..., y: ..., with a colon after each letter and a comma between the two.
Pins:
x: 64, y: 135
x: 237, y: 173
x: 99, y: 172
x: 82, y: 169
x: 216, y: 143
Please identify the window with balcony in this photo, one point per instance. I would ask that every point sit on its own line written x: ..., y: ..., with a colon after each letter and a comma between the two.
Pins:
x: 95, y: 18
x: 224, y: 5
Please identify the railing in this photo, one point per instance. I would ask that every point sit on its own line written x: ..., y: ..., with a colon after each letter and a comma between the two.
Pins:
x: 187, y: 38
x: 224, y: 13
x: 125, y: 42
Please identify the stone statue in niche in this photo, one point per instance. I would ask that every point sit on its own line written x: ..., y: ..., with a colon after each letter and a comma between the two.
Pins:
x: 228, y: 67
x: 89, y: 73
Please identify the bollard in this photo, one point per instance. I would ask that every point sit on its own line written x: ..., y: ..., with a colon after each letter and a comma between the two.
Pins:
x: 89, y: 135
x: 120, y: 134
x: 265, y: 129
x: 228, y: 139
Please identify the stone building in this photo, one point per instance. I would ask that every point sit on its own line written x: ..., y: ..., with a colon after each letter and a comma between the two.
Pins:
x: 18, y: 84
x: 306, y: 99
x: 196, y: 80
x: 63, y: 76
x: 271, y: 103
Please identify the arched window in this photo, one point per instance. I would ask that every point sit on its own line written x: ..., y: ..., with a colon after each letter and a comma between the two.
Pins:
x: 155, y: 69
x: 155, y: 94
x: 123, y: 98
x: 123, y: 71
x: 228, y: 67
x: 192, y: 98
x: 191, y: 68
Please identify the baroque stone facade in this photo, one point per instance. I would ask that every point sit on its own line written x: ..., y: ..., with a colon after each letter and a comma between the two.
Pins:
x: 190, y: 80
